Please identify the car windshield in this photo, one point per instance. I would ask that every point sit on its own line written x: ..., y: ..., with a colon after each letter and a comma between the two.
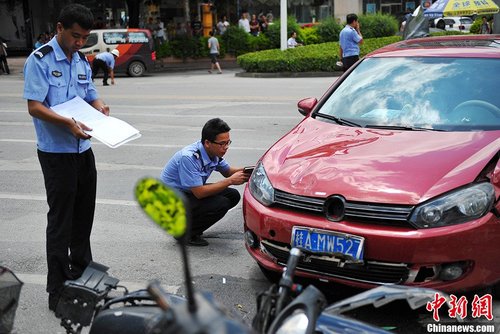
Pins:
x: 449, y: 94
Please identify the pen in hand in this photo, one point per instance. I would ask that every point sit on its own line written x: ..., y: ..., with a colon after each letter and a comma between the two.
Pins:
x: 82, y: 128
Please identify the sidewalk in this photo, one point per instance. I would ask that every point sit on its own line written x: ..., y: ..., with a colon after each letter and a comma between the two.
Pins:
x: 177, y: 65
x: 164, y: 65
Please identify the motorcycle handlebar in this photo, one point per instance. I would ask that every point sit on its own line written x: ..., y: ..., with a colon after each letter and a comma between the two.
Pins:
x: 286, y: 281
x: 157, y: 292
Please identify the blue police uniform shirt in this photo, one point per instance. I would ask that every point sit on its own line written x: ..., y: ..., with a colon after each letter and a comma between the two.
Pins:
x: 108, y: 58
x: 191, y: 167
x: 52, y: 80
x: 349, y: 40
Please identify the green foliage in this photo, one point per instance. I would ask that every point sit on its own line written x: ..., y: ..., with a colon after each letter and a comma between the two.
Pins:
x: 236, y: 40
x: 274, y: 31
x: 186, y: 47
x: 311, y: 58
x: 378, y: 25
x: 310, y: 36
x: 258, y: 43
x: 476, y: 25
x: 329, y: 30
x: 164, y: 50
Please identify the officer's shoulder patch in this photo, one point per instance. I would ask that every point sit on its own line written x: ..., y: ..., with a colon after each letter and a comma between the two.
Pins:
x: 197, y: 154
x: 43, y: 51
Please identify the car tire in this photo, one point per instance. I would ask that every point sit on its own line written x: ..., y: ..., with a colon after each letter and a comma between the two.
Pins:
x: 136, y: 69
x: 272, y: 276
x: 441, y: 25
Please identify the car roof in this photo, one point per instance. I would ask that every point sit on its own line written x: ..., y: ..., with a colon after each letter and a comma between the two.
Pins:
x: 459, y: 46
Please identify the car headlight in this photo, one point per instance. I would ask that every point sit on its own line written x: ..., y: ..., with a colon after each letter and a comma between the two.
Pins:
x: 296, y: 323
x: 260, y: 186
x: 457, y: 207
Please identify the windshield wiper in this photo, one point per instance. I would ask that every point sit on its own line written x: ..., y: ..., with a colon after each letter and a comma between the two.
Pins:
x: 338, y: 120
x: 401, y: 127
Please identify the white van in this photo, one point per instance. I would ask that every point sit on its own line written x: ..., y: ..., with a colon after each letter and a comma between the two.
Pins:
x: 136, y: 48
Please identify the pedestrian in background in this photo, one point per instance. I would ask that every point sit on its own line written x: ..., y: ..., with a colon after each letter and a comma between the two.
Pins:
x: 39, y: 41
x: 58, y: 72
x: 292, y: 41
x: 189, y: 169
x: 213, y: 46
x: 243, y: 23
x: 222, y: 25
x: 160, y: 31
x: 350, y: 38
x: 254, y: 26
x: 105, y: 61
x: 485, y: 26
x: 4, y: 66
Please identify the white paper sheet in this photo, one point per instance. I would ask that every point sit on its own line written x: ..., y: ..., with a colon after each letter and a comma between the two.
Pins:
x: 109, y: 130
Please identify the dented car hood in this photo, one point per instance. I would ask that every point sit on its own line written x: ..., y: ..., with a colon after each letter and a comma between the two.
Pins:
x: 320, y: 159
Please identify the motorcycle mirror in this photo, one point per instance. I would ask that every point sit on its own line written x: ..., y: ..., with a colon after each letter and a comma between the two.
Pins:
x: 166, y: 207
x: 163, y: 205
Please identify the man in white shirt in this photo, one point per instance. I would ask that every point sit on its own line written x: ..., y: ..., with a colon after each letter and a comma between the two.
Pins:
x: 292, y: 41
x: 244, y: 23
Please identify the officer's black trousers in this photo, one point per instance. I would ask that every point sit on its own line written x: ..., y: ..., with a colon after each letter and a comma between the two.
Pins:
x: 70, y: 183
x: 207, y: 211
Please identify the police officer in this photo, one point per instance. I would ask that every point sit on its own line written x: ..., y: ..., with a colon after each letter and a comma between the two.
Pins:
x: 349, y: 39
x: 189, y: 169
x: 56, y: 73
x: 105, y: 61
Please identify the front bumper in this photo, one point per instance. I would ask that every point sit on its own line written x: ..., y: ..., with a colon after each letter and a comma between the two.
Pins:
x: 392, y: 254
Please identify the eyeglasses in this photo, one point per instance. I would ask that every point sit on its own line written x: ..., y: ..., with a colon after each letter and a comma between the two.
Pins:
x: 222, y: 143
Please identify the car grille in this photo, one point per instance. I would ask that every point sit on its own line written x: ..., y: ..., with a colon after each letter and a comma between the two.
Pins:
x: 370, y: 272
x: 371, y: 213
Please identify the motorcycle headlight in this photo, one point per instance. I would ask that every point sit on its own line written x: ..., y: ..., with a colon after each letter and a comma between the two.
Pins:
x: 296, y: 323
x: 260, y: 186
x: 457, y: 207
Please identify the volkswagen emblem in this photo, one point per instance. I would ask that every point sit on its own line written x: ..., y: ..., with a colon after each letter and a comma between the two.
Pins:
x: 335, y: 208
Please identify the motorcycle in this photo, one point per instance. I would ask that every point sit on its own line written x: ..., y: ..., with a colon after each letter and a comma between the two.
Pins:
x: 92, y: 299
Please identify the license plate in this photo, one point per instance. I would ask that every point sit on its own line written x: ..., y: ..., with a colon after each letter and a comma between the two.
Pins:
x: 328, y: 242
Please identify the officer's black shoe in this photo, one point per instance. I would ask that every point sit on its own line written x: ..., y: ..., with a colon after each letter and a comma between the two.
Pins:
x: 105, y: 84
x: 53, y: 300
x: 197, y: 240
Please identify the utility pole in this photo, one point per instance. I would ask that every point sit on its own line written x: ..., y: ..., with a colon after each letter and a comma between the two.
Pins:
x: 283, y: 21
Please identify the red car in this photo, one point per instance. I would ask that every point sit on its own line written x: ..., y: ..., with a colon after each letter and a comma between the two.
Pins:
x: 393, y: 176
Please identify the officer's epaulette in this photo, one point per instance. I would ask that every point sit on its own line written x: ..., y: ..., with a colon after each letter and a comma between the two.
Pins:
x: 197, y: 154
x: 82, y: 56
x: 43, y: 51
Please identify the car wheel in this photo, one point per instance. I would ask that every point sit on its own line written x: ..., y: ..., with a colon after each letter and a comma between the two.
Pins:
x: 136, y: 69
x: 272, y: 276
x: 441, y: 25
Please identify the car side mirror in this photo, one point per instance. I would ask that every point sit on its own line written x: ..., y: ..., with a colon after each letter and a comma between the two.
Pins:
x: 305, y: 106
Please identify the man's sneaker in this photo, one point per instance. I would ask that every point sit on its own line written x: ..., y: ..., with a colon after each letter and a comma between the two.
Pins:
x: 197, y: 240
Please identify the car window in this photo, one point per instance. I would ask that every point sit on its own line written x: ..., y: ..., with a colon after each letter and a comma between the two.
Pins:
x: 466, y: 20
x: 115, y: 37
x: 437, y: 93
x: 91, y: 41
x: 125, y: 37
x: 449, y: 21
x: 137, y: 37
